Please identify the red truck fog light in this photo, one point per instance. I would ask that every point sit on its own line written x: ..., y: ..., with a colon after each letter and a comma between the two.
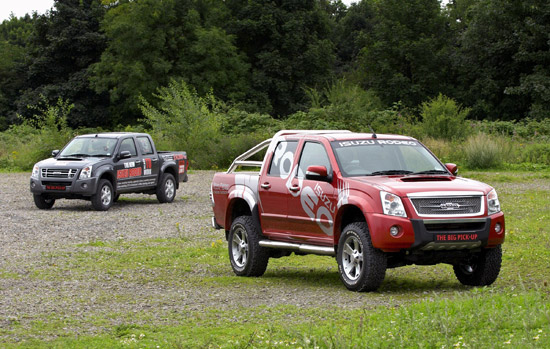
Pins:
x: 394, y: 231
x: 498, y: 228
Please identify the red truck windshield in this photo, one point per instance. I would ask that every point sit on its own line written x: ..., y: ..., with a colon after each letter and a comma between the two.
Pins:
x: 373, y: 157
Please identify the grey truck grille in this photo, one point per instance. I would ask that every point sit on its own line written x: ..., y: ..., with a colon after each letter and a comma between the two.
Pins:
x: 59, y: 173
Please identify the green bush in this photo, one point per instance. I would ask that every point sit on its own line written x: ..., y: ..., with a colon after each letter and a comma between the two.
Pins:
x: 340, y: 106
x: 482, y: 151
x: 443, y: 118
x: 527, y: 129
x: 535, y: 153
x: 183, y: 121
x: 211, y: 133
x: 21, y: 146
x: 446, y: 151
x: 235, y: 121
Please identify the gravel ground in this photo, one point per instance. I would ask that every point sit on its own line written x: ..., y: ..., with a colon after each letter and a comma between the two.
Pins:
x: 28, y: 235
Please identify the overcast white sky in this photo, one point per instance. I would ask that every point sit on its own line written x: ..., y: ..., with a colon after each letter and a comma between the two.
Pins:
x: 21, y: 7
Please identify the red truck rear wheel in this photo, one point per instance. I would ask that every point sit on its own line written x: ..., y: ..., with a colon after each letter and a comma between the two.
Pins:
x: 247, y: 257
x: 480, y: 271
x: 362, y: 267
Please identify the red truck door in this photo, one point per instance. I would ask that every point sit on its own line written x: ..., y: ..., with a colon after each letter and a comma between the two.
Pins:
x: 312, y: 206
x: 273, y: 190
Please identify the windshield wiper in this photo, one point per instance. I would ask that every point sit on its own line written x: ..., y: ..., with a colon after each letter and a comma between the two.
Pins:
x: 431, y: 172
x: 389, y: 172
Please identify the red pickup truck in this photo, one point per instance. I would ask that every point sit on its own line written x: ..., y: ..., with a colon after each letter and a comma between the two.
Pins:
x: 372, y: 201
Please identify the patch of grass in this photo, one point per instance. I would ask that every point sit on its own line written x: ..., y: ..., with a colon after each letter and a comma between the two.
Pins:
x: 141, y: 261
x: 482, y: 318
x: 417, y: 306
x: 492, y: 176
x: 4, y: 274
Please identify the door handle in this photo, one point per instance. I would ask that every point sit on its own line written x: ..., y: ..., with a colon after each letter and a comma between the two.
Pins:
x: 266, y: 185
x: 294, y: 188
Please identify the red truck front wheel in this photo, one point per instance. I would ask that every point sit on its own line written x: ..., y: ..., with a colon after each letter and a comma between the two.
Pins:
x: 361, y: 266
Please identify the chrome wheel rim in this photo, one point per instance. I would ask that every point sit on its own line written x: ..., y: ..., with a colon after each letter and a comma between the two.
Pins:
x: 106, y: 195
x: 169, y: 188
x: 468, y: 269
x: 239, y: 247
x: 352, y: 258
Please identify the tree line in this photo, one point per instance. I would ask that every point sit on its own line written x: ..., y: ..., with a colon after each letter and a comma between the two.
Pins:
x: 491, y: 56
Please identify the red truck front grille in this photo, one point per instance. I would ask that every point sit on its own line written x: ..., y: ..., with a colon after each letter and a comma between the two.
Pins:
x: 448, y: 206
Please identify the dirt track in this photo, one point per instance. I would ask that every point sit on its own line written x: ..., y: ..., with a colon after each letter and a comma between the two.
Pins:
x: 29, y: 237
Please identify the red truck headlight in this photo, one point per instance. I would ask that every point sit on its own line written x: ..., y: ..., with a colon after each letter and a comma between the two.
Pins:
x: 392, y: 204
x: 493, y: 205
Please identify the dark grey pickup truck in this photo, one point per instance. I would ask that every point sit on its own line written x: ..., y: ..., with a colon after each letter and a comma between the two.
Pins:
x: 99, y: 167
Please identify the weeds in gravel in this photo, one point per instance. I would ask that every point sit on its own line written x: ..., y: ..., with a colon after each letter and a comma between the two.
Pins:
x: 416, y: 306
x: 481, y: 318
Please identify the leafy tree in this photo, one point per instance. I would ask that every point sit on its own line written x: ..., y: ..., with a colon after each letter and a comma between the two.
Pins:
x: 65, y: 41
x: 287, y: 43
x: 16, y: 30
x: 353, y: 30
x: 405, y: 58
x: 485, y: 61
x: 214, y: 63
x: 533, y: 55
x: 14, y: 36
x: 152, y: 41
x: 145, y: 39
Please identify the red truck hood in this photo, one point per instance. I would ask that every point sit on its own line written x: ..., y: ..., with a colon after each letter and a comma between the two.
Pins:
x: 403, y: 185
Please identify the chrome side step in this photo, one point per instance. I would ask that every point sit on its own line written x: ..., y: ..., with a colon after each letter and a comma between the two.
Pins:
x: 320, y: 250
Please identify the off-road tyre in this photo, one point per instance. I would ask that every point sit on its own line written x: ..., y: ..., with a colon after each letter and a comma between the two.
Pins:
x: 246, y: 255
x: 42, y: 202
x: 361, y: 266
x: 481, y: 270
x: 166, y: 190
x: 103, y: 198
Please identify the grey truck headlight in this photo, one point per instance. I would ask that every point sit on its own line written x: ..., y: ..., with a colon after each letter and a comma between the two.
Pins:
x: 86, y: 172
x: 35, y: 172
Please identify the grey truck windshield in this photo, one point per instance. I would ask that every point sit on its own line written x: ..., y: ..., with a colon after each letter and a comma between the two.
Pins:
x: 89, y: 147
x: 372, y: 157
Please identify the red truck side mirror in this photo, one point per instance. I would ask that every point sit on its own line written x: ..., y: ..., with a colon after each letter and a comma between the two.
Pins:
x: 453, y: 168
x: 317, y: 173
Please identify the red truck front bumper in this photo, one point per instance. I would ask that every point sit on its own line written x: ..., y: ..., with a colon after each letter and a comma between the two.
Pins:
x: 435, y: 234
